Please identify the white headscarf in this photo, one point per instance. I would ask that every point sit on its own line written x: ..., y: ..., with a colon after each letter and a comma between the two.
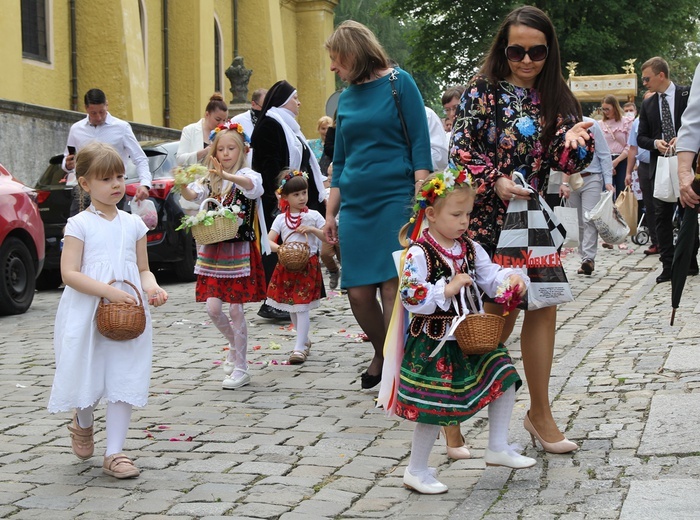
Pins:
x: 296, y: 143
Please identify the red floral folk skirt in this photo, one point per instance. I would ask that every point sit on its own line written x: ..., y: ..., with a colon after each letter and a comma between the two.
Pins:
x: 450, y: 387
x: 243, y: 289
x: 297, y: 291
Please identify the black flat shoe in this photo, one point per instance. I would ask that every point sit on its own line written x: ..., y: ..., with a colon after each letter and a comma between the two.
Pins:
x: 271, y: 313
x: 368, y: 381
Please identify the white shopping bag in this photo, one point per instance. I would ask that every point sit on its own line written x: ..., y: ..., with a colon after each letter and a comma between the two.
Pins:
x: 568, y: 217
x: 611, y: 227
x: 666, y: 185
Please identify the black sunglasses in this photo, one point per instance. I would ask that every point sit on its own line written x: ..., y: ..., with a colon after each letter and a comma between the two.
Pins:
x: 536, y: 53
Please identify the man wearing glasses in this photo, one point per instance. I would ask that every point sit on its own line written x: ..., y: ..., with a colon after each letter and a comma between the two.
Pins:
x: 659, y: 121
x: 450, y: 101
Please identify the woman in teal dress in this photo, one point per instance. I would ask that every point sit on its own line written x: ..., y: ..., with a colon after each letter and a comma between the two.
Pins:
x: 375, y: 169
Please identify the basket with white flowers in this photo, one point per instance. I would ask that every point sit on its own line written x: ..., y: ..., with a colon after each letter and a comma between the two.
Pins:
x: 212, y: 226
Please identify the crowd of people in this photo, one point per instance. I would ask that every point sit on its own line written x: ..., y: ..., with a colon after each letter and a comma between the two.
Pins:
x: 384, y: 167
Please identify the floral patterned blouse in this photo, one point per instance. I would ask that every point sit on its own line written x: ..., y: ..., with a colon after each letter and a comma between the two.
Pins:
x: 510, y: 113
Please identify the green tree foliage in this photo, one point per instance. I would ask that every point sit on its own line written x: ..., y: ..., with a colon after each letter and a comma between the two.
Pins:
x: 449, y: 38
x: 394, y: 36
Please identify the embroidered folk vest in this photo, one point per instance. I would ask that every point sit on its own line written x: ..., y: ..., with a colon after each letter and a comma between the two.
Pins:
x: 437, y: 324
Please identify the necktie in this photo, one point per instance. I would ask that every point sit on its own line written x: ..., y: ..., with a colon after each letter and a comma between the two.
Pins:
x: 666, y: 122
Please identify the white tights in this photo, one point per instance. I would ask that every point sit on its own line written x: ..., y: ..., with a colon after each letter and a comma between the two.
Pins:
x: 424, y: 435
x: 301, y: 322
x: 118, y: 417
x: 235, y: 330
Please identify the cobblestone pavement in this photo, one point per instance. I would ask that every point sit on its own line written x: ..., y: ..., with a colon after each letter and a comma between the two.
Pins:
x: 305, y: 442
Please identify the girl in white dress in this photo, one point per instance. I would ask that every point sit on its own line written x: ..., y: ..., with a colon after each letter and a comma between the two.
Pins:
x: 102, y: 244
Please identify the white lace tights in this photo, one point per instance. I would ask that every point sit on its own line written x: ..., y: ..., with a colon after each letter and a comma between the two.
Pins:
x: 234, y: 330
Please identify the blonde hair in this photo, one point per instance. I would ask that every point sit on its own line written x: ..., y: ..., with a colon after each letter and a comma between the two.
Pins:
x: 215, y: 182
x: 437, y: 204
x: 324, y: 119
x: 96, y: 161
x: 615, y: 104
x: 357, y: 48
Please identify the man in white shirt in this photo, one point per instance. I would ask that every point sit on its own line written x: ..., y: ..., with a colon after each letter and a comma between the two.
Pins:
x: 248, y: 118
x: 100, y: 125
x: 438, y: 142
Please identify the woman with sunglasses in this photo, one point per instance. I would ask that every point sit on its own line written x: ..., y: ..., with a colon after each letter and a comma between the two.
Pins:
x: 517, y: 114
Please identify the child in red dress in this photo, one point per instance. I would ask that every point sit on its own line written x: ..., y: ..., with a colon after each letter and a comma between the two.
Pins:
x: 230, y: 271
x: 296, y: 291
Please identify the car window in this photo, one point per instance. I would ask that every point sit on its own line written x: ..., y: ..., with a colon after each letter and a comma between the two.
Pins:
x: 161, y: 161
x: 52, y: 176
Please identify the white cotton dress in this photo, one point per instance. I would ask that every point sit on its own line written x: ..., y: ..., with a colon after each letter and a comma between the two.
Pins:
x: 90, y: 367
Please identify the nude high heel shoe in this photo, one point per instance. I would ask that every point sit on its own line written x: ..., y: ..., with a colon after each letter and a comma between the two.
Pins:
x: 458, y: 452
x: 563, y: 446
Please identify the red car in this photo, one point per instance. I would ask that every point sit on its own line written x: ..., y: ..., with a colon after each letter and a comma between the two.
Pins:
x: 21, y: 244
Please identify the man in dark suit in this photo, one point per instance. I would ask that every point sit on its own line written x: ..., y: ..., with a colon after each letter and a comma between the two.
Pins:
x: 659, y: 121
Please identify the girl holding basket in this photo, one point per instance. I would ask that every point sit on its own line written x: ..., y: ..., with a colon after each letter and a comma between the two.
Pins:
x: 438, y: 384
x: 296, y: 284
x: 230, y: 270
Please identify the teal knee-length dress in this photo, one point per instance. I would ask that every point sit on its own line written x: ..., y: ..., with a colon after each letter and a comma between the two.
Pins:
x: 373, y: 167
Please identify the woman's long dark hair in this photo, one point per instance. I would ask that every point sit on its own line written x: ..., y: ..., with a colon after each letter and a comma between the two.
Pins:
x: 556, y: 97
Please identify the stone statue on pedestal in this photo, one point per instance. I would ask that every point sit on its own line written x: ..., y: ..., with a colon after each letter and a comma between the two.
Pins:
x: 239, y: 77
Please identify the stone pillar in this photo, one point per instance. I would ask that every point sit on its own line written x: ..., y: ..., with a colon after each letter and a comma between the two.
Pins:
x: 191, y: 59
x: 315, y: 80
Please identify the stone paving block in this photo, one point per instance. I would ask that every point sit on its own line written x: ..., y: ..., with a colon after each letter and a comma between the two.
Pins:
x: 260, y: 510
x: 670, y: 419
x: 200, y: 509
x: 676, y: 499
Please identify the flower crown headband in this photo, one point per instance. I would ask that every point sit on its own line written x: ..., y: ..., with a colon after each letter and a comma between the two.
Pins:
x: 439, y: 186
x: 230, y: 126
x: 290, y: 175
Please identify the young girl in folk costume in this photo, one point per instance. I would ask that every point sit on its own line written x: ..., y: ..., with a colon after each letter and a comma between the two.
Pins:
x: 102, y: 244
x: 300, y: 291
x: 439, y: 385
x: 230, y: 271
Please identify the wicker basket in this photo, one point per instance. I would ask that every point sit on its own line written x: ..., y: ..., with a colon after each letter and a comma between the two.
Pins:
x: 121, y: 321
x: 221, y: 229
x: 294, y: 255
x: 479, y: 333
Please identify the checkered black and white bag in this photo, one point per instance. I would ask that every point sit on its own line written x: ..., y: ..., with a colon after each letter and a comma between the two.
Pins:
x: 530, y: 239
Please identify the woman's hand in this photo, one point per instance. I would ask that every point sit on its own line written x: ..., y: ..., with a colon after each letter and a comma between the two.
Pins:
x: 564, y: 191
x: 578, y: 135
x: 455, y: 285
x: 330, y: 231
x: 685, y: 178
x: 507, y: 190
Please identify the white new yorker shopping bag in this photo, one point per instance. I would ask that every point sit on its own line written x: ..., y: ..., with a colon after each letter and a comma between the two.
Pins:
x: 530, y: 239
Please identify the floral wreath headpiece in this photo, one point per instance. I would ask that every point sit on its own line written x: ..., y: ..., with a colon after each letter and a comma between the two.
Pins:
x: 230, y: 125
x: 290, y: 175
x: 439, y: 186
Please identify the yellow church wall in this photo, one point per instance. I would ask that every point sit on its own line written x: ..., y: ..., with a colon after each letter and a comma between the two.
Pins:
x: 191, y: 59
x: 46, y: 83
x: 12, y: 85
x: 278, y: 40
x: 154, y: 59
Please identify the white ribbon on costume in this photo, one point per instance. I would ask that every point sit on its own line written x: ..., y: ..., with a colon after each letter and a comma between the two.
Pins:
x: 460, y: 318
